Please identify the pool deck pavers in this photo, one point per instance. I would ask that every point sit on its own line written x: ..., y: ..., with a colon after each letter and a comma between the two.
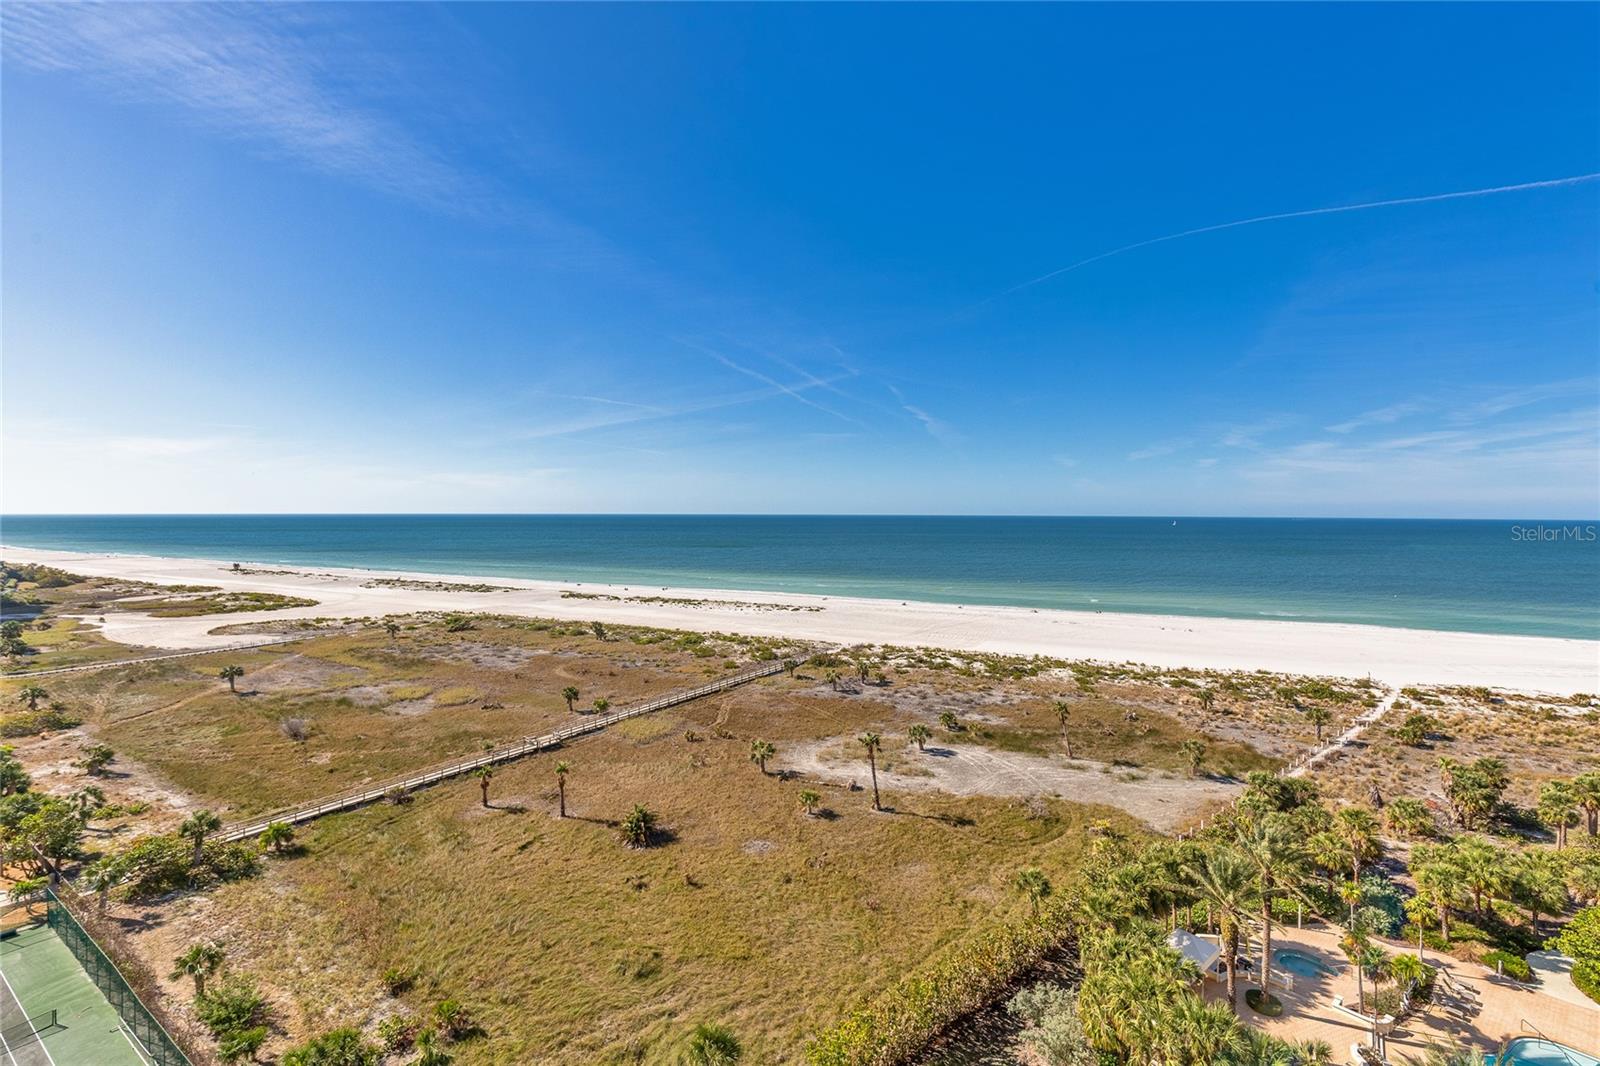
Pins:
x: 1507, y: 1010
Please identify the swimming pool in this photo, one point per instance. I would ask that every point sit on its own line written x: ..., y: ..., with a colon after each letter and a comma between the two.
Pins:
x: 1301, y: 964
x: 1528, y: 1052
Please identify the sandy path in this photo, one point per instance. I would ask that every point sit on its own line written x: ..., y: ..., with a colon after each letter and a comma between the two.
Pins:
x: 1163, y: 802
x: 1395, y: 656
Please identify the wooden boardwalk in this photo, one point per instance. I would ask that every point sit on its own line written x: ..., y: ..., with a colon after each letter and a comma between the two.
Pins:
x: 526, y: 746
x: 18, y: 675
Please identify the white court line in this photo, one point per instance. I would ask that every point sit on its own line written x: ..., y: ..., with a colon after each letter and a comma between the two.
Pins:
x: 138, y: 1049
x: 18, y: 1001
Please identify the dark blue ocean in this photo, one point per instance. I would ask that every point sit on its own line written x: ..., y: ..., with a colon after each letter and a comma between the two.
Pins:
x: 1483, y: 576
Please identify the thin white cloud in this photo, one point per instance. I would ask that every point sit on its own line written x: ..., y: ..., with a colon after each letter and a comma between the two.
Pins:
x: 1526, y: 186
x: 164, y: 447
x: 1381, y: 416
x: 1247, y: 435
x: 257, y: 73
x: 937, y: 428
x: 1156, y: 450
x: 795, y: 392
x: 1524, y: 396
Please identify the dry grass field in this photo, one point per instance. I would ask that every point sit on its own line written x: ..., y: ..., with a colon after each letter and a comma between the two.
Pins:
x: 574, y: 948
x: 570, y: 946
x: 1539, y: 739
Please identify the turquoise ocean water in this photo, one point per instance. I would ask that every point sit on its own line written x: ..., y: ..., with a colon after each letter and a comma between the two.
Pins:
x: 1536, y: 578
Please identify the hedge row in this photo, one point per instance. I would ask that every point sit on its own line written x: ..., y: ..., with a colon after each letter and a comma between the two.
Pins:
x: 904, y: 1019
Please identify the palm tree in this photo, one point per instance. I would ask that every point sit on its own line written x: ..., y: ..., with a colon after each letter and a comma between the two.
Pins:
x: 31, y: 695
x: 197, y: 827
x: 101, y: 878
x: 484, y: 774
x: 1538, y: 883
x: 1408, y: 818
x: 1353, y: 944
x: 198, y: 962
x: 1448, y: 1055
x: 809, y: 801
x: 1351, y: 894
x: 949, y: 721
x: 392, y: 628
x: 1375, y: 961
x: 277, y: 836
x: 1225, y: 880
x: 1483, y: 871
x: 1063, y: 714
x: 1318, y: 717
x: 1194, y: 753
x: 919, y: 735
x: 1207, y: 699
x: 85, y: 801
x: 1419, y: 911
x: 430, y: 1053
x: 1558, y: 809
x: 1279, y: 861
x: 1195, y: 1031
x: 833, y: 679
x: 1033, y: 883
x: 570, y: 694
x: 760, y: 752
x: 1409, y: 971
x: 1313, y: 1053
x: 1357, y: 831
x: 231, y: 674
x: 1439, y: 878
x: 562, y: 770
x: 639, y: 826
x: 1586, y: 790
x: 872, y: 742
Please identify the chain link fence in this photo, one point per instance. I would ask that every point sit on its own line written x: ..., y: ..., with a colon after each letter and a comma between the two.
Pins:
x: 158, y: 1046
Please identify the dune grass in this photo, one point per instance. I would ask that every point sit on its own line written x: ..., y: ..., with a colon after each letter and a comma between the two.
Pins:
x: 572, y: 948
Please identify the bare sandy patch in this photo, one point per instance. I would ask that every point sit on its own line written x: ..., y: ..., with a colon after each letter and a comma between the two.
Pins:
x: 1163, y: 801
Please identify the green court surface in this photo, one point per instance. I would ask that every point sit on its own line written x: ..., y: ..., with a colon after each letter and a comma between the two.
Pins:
x: 40, y: 975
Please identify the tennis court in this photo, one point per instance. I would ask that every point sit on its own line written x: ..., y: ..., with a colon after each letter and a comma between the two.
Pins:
x: 38, y: 975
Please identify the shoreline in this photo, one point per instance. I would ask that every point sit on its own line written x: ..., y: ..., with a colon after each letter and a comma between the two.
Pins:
x: 1555, y: 665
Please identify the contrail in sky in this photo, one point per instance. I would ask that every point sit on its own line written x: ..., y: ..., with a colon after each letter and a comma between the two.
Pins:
x: 1525, y: 186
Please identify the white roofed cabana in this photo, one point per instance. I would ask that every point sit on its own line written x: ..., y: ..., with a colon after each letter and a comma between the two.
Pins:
x: 1203, y: 951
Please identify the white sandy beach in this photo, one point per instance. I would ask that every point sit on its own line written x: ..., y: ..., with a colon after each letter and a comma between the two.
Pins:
x: 1394, y: 656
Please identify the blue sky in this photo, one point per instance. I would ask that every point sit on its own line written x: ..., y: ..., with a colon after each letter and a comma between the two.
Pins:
x: 729, y: 258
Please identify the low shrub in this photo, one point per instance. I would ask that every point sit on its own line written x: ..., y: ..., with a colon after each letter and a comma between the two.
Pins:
x: 340, y: 1047
x: 1513, y: 966
x: 1270, y: 1006
x: 398, y: 1033
x: 1580, y: 940
x: 161, y: 864
x: 231, y: 1008
x: 43, y: 720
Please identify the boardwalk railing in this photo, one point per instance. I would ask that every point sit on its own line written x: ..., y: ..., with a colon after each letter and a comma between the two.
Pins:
x: 526, y: 746
x: 12, y: 675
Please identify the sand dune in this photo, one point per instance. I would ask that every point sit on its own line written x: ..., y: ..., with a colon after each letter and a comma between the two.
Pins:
x: 1394, y: 656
